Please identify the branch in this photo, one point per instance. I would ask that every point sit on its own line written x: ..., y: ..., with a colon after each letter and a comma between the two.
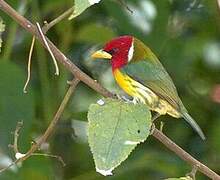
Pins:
x: 35, y: 146
x: 16, y: 136
x: 57, y: 53
x: 98, y: 88
x: 125, y: 5
x: 184, y: 155
x: 19, y: 155
x: 47, y: 26
x: 53, y: 123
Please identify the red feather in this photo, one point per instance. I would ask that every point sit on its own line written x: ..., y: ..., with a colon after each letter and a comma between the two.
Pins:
x: 119, y: 48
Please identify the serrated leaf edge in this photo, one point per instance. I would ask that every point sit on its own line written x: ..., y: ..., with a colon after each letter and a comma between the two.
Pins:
x: 108, y: 171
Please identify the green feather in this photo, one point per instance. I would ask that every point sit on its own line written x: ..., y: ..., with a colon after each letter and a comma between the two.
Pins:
x: 145, y: 68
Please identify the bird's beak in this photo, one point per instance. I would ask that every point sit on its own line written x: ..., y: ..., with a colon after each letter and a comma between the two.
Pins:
x: 101, y: 55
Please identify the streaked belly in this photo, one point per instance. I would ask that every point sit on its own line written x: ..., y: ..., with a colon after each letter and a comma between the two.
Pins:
x: 134, y: 88
x: 143, y: 94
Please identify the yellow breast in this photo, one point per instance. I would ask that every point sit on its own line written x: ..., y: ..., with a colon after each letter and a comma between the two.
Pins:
x: 135, y: 89
x: 143, y: 94
x: 124, y: 82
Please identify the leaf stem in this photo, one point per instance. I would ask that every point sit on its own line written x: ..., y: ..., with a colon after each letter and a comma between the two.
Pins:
x: 49, y: 25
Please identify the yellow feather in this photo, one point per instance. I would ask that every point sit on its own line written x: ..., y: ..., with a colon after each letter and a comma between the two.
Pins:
x: 134, y: 88
x: 144, y: 94
x: 124, y: 82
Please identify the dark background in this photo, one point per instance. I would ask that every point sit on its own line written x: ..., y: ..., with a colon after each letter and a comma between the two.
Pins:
x: 183, y: 34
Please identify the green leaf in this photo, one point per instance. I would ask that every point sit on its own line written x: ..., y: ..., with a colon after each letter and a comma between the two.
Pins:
x: 82, y: 5
x: 2, y: 29
x: 115, y: 129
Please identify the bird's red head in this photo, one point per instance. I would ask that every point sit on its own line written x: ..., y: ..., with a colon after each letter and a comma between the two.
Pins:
x: 119, y: 50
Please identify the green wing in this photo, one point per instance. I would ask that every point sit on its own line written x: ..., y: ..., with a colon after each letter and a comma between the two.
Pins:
x: 152, y: 74
x: 145, y: 68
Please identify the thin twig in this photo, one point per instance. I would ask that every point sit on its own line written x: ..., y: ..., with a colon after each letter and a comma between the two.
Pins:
x: 67, y: 63
x: 16, y: 136
x: 59, y: 111
x: 49, y: 25
x: 53, y: 123
x: 45, y: 28
x: 122, y: 2
x: 29, y: 65
x: 50, y: 129
x: 192, y: 174
x: 14, y: 146
x: 59, y: 158
x: 18, y: 155
x: 8, y: 167
x: 48, y: 48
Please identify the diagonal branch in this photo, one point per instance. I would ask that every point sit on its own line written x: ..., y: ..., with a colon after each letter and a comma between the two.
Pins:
x: 98, y: 88
x: 184, y: 155
x: 57, y: 53
x: 49, y: 25
x: 45, y: 28
x: 53, y: 123
x: 48, y: 132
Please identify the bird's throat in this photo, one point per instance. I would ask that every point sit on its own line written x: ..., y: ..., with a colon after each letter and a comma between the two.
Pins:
x: 118, y: 62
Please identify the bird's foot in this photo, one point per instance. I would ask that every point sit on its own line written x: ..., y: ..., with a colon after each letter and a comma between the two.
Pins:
x: 155, y: 116
x: 124, y: 98
x: 134, y: 100
x: 152, y: 128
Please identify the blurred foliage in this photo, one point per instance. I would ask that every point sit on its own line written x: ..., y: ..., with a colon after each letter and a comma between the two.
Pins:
x: 184, y: 34
x: 16, y: 105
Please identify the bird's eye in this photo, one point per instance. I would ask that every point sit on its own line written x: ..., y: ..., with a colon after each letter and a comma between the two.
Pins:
x: 113, y: 50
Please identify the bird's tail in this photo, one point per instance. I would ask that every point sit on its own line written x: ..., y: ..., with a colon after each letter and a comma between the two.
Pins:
x: 193, y: 124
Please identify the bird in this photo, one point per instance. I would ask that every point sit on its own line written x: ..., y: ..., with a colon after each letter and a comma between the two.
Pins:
x: 140, y: 74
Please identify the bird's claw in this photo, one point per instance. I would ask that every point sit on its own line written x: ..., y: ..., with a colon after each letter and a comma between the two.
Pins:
x: 152, y: 128
x: 124, y: 98
x: 134, y: 100
x: 155, y: 116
